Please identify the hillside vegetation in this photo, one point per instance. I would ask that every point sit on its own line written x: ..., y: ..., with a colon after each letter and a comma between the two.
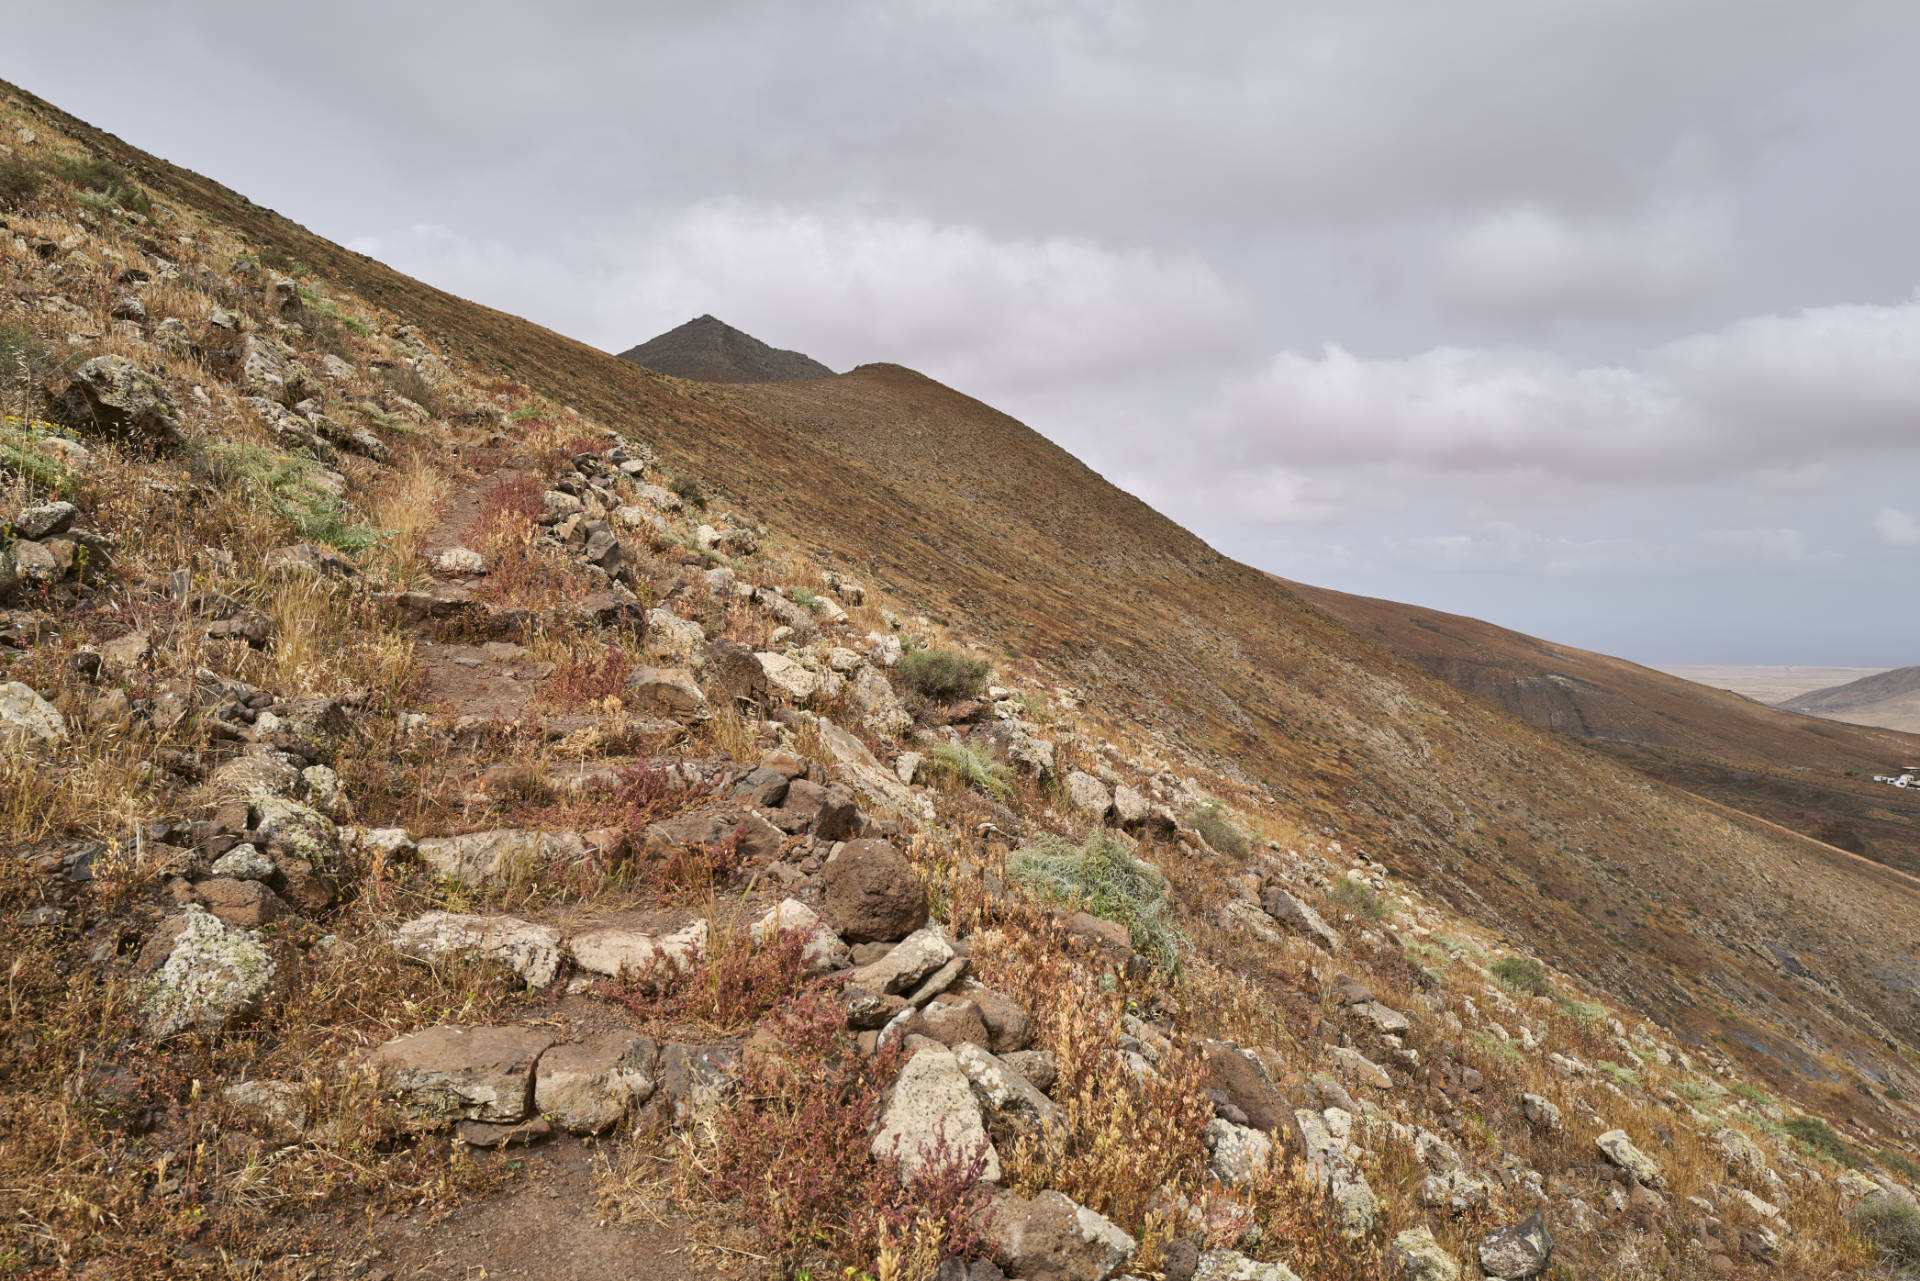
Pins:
x: 474, y: 805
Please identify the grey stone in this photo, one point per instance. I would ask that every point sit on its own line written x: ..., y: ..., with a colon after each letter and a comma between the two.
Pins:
x: 213, y: 974
x: 931, y: 1112
x: 529, y: 950
x: 1050, y: 1237
x: 589, y: 1087
x: 445, y: 1074
x: 124, y: 400
x: 1513, y: 1254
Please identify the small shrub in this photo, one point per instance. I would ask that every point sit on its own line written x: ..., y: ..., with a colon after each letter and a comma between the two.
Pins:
x: 106, y: 185
x: 1816, y: 1138
x: 1357, y: 897
x: 1899, y: 1162
x: 583, y: 677
x: 942, y: 674
x: 806, y: 599
x: 1893, y: 1229
x: 1585, y: 1011
x: 971, y: 768
x: 1101, y: 877
x: 1752, y: 1094
x: 1210, y: 820
x: 405, y: 380
x: 1522, y: 975
x: 1619, y: 1075
x: 725, y: 989
x: 286, y: 484
x: 689, y: 490
x: 19, y: 184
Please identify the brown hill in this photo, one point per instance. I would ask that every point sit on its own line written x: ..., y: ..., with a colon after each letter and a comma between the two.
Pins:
x: 1888, y: 699
x: 1789, y: 954
x: 711, y: 351
x: 1813, y: 776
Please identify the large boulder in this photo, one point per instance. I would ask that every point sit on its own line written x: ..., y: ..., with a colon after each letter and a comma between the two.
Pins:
x: 1619, y: 1149
x: 872, y: 894
x: 1513, y: 1254
x: 529, y: 950
x: 1088, y: 795
x: 443, y: 1074
x: 1050, y: 1237
x: 24, y: 716
x: 209, y: 974
x: 1240, y: 1075
x: 1239, y: 1153
x: 932, y: 1113
x: 1297, y: 916
x: 875, y: 704
x: 122, y: 399
x: 666, y: 691
x: 589, y: 1086
x: 1418, y: 1257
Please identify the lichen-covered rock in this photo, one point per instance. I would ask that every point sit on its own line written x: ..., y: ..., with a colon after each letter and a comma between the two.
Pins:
x: 875, y: 705
x: 300, y: 830
x: 479, y: 857
x: 1513, y: 1254
x: 1231, y: 1265
x: 25, y: 715
x: 214, y: 975
x: 122, y: 399
x: 619, y: 952
x: 1619, y: 1149
x: 1088, y: 795
x: 1004, y: 1091
x: 932, y: 1112
x: 1418, y: 1257
x: 1239, y: 1153
x: 529, y: 950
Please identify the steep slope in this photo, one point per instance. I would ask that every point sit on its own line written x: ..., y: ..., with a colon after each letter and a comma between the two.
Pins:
x: 1813, y: 776
x: 403, y: 763
x: 712, y: 351
x: 1681, y: 909
x: 1888, y: 699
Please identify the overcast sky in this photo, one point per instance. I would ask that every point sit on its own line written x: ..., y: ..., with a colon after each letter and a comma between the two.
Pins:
x: 1598, y: 320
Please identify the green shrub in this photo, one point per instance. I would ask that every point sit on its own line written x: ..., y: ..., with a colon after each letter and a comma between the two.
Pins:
x: 1757, y: 1097
x: 806, y: 599
x: 19, y: 184
x: 943, y: 675
x: 1893, y: 1229
x: 1899, y: 1162
x: 1210, y: 820
x: 1522, y: 975
x: 1101, y: 877
x: 1357, y: 897
x: 972, y: 768
x: 105, y: 185
x: 1817, y: 1138
x: 1585, y: 1011
x: 286, y: 484
x: 689, y: 491
x: 407, y: 381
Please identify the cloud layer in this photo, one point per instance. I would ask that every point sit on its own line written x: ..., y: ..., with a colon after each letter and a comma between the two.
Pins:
x: 1519, y: 309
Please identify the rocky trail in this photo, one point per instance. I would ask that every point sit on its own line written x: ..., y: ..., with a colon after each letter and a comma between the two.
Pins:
x: 447, y: 840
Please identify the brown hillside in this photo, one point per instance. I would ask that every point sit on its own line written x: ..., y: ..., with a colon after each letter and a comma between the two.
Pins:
x: 712, y: 351
x: 1680, y: 909
x: 1888, y: 699
x: 1813, y: 776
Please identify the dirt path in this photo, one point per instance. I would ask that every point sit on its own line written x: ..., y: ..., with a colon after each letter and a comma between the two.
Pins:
x: 547, y: 1225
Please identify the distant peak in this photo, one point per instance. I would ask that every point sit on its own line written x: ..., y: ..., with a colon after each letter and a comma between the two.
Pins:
x: 707, y: 349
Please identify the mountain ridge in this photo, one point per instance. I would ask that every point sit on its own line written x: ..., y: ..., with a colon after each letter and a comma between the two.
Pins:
x: 1889, y: 699
x: 706, y: 349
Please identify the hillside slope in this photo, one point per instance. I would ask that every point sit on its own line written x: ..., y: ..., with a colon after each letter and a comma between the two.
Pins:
x: 712, y: 351
x: 1887, y: 699
x: 1813, y: 776
x: 971, y: 515
x: 403, y: 692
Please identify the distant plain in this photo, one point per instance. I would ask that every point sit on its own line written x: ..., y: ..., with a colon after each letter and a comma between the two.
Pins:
x: 1766, y: 684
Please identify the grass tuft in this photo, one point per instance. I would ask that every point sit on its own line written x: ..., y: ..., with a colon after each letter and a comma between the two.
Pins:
x: 1101, y: 877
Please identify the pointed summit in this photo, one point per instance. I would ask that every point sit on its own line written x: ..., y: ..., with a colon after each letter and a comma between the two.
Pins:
x: 712, y: 351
